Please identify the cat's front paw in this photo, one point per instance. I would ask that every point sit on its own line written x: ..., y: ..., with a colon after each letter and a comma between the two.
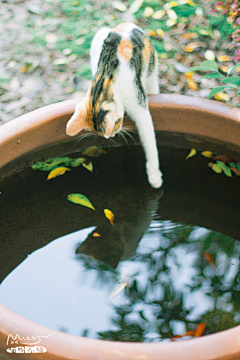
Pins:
x: 154, y: 178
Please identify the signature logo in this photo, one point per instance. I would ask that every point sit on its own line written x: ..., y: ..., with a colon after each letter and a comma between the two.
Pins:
x: 30, y: 343
x: 27, y: 349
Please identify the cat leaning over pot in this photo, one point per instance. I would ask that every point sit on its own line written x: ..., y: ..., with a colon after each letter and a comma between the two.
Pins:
x: 124, y: 68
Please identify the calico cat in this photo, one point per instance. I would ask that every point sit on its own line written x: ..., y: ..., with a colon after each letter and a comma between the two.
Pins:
x: 124, y: 68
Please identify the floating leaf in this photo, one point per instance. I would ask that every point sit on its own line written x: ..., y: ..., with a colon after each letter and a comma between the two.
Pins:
x: 224, y: 168
x: 52, y: 163
x: 126, y: 281
x: 235, y: 170
x: 200, y: 329
x: 88, y: 165
x: 109, y: 215
x: 231, y: 164
x: 224, y: 158
x: 81, y: 200
x: 96, y: 234
x: 117, y: 290
x: 187, y: 333
x: 94, y: 151
x: 191, y: 47
x: 215, y: 168
x: 78, y: 161
x: 238, y: 166
x: 192, y: 153
x: 207, y: 154
x: 57, y: 172
x: 208, y: 257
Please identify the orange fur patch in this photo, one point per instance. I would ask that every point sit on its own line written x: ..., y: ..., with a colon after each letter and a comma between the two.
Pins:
x: 147, y: 50
x: 125, y: 49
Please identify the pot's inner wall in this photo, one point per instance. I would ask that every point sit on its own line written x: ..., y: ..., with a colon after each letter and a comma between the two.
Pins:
x: 159, y: 236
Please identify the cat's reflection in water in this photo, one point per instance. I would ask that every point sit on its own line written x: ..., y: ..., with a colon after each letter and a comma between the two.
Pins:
x: 119, y: 242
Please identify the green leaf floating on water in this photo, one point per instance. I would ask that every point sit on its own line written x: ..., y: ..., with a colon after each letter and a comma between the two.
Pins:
x: 81, y: 200
x: 224, y: 168
x: 94, y: 151
x: 78, y: 161
x: 52, y: 163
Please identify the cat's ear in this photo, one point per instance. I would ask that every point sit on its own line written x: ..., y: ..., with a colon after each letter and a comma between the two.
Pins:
x: 109, y: 123
x: 78, y: 121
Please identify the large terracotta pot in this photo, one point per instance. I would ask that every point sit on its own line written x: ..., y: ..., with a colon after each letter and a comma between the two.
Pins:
x: 45, y: 127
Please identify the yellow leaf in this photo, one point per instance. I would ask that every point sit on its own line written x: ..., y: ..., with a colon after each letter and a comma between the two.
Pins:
x: 215, y: 167
x: 190, y: 2
x: 23, y: 69
x: 189, y: 35
x: 56, y: 172
x: 224, y: 68
x: 173, y: 3
x: 160, y: 32
x: 151, y: 32
x: 81, y: 200
x: 191, y: 47
x: 207, y: 154
x: 164, y: 56
x: 223, y: 58
x: 109, y: 215
x: 192, y: 153
x: 94, y: 151
x: 192, y: 84
x: 222, y: 96
x: 117, y: 290
x: 88, y: 165
x: 159, y: 14
x: 96, y: 234
x: 148, y: 11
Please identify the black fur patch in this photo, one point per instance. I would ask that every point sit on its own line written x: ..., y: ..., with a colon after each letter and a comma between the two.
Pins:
x: 107, y: 64
x: 98, y: 119
x: 136, y: 62
x: 151, y: 61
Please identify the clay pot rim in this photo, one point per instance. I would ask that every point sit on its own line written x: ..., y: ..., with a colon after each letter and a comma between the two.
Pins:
x: 36, y: 127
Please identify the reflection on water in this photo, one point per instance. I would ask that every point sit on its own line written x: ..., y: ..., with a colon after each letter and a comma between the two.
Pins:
x: 174, y: 287
x: 55, y: 272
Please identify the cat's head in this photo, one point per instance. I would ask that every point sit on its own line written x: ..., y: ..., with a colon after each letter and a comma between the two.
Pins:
x: 103, y: 118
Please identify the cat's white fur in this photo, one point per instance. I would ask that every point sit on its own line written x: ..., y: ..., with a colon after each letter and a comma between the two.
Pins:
x: 125, y: 96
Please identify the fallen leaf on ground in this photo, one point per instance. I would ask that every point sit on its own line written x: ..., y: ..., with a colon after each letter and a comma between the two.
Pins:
x: 207, y: 154
x: 109, y: 215
x: 200, y: 329
x: 57, y: 172
x: 81, y: 200
x: 88, y: 165
x: 209, y: 259
x: 94, y: 151
x: 191, y: 153
x: 96, y: 234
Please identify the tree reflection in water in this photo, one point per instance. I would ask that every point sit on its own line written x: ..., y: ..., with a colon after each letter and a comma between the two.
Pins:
x: 174, y: 287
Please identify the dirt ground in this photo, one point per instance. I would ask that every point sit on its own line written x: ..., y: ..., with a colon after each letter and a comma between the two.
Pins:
x: 32, y: 75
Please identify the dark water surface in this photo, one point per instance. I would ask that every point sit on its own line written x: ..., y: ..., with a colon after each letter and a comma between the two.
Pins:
x: 55, y: 272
